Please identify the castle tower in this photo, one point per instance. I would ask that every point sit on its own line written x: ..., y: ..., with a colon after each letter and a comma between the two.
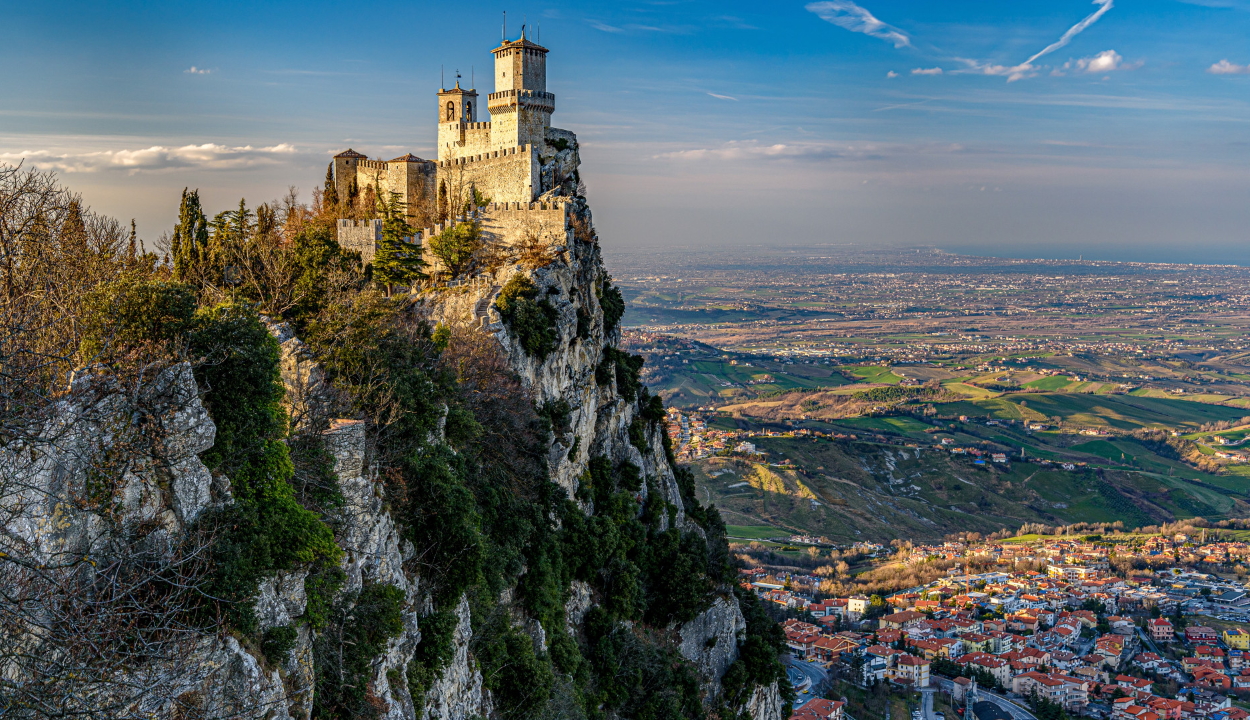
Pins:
x: 520, y: 107
x: 457, y: 115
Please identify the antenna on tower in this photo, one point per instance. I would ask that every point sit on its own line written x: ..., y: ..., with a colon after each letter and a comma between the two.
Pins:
x: 505, y: 26
x: 472, y: 77
x: 442, y: 77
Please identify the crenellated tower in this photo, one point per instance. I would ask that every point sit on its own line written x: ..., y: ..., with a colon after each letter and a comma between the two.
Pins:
x: 520, y: 108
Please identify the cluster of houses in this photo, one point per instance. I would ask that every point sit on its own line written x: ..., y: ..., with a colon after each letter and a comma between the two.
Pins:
x: 1065, y: 632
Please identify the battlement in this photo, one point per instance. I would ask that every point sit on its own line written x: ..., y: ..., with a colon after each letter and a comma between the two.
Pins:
x: 483, y: 157
x: 372, y: 164
x: 474, y: 125
x: 531, y: 99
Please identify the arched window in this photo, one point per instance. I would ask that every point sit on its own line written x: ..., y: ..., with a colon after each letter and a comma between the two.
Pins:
x: 451, y: 111
x: 468, y: 111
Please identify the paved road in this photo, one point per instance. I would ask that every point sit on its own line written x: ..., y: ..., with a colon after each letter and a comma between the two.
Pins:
x: 800, y: 672
x: 1016, y: 711
x: 926, y: 702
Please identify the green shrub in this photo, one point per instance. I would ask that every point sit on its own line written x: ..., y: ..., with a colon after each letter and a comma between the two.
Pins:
x: 456, y: 245
x: 277, y: 642
x: 625, y: 368
x: 612, y: 303
x: 265, y: 530
x: 361, y: 626
x: 519, y: 678
x: 132, y: 312
x: 638, y: 434
x: 433, y: 653
x: 556, y: 415
x: 532, y: 321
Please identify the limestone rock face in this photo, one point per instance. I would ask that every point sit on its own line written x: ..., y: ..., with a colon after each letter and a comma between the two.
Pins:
x: 710, y: 641
x: 766, y: 704
x: 458, y: 694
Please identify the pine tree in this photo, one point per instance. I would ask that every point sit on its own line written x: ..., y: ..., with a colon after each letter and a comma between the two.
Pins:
x: 189, y: 244
x: 331, y: 196
x: 397, y: 262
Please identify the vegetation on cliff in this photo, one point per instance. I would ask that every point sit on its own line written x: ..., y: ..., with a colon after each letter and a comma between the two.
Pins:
x: 454, y: 436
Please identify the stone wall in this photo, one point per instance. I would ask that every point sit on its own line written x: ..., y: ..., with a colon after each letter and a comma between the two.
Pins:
x: 465, y: 139
x: 410, y: 177
x: 508, y: 175
x: 360, y: 236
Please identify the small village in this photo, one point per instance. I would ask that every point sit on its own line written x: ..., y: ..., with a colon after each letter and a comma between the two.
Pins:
x: 1122, y: 626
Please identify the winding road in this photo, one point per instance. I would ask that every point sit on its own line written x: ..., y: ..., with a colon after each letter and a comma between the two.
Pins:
x: 806, y: 676
x: 1017, y: 712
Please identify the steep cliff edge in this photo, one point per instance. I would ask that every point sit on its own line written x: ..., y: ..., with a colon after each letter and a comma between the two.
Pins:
x: 447, y: 504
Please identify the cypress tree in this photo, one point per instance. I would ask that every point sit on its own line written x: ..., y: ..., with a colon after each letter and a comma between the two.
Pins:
x: 331, y: 196
x: 132, y: 249
x: 397, y: 262
x: 189, y: 244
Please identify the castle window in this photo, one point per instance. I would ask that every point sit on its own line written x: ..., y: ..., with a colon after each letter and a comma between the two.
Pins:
x: 468, y: 110
x: 451, y: 111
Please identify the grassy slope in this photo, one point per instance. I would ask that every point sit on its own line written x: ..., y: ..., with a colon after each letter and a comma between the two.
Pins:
x: 869, y: 491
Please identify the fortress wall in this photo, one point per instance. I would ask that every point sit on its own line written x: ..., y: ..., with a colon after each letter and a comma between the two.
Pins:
x: 512, y: 224
x: 457, y: 141
x: 360, y: 236
x: 509, y: 225
x: 510, y: 175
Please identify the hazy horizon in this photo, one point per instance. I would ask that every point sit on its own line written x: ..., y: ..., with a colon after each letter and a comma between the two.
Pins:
x: 1115, y: 131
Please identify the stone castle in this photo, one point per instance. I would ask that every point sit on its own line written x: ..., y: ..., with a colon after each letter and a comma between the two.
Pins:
x: 513, y: 163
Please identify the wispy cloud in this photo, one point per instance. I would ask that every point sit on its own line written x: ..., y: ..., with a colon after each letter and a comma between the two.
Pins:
x: 927, y: 71
x: 723, y: 97
x: 1224, y: 67
x: 891, y: 74
x: 1077, y: 29
x: 193, y: 70
x: 208, y: 156
x: 810, y: 152
x: 848, y: 15
x: 1234, y: 4
x: 604, y: 26
x: 1011, y: 72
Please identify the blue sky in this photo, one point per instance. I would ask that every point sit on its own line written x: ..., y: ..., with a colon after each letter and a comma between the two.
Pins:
x: 703, y: 124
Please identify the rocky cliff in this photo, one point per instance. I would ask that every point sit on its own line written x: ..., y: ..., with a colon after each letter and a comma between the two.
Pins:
x: 659, y: 591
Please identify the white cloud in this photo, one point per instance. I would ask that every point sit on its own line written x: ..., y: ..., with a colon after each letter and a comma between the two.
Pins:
x: 193, y: 70
x: 1075, y: 30
x: 208, y: 156
x: 1105, y: 61
x: 891, y: 74
x: 846, y: 14
x: 1012, y: 72
x: 723, y: 97
x: 926, y: 71
x: 1224, y: 67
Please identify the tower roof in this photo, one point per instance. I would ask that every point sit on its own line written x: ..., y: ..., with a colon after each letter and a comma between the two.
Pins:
x: 350, y: 154
x: 522, y: 43
x: 457, y: 90
x: 409, y: 158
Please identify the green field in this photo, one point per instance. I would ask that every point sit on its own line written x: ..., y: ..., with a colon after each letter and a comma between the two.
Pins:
x: 722, y: 383
x: 876, y: 374
x: 754, y: 532
x: 1050, y: 384
x: 1121, y: 412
